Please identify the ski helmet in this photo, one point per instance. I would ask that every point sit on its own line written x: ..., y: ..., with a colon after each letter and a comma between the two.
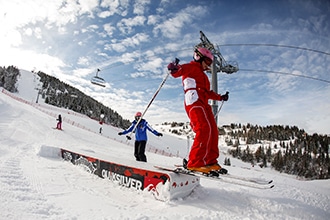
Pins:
x: 138, y: 114
x: 202, y: 54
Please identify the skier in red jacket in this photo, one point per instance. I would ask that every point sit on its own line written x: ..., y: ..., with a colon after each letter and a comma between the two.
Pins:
x: 59, y: 123
x: 204, y: 151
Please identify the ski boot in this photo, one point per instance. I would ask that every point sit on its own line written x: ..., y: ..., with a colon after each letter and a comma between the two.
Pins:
x: 184, y: 163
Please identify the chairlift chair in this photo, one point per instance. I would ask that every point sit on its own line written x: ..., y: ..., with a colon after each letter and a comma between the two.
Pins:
x: 96, y: 80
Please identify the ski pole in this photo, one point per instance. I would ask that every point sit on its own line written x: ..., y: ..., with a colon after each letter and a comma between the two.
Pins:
x: 152, y: 99
x: 216, y: 115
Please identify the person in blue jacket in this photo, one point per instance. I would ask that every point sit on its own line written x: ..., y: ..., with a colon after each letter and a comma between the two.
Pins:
x: 140, y: 136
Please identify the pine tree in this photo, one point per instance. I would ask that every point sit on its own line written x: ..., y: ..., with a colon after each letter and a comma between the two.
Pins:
x: 9, y: 77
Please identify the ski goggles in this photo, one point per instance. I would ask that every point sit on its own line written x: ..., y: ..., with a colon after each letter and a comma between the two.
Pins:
x: 207, y: 61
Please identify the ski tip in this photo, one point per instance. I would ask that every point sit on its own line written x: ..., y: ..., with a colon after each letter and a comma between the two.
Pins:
x: 272, y: 186
x: 270, y: 181
x: 213, y: 174
x: 58, y: 129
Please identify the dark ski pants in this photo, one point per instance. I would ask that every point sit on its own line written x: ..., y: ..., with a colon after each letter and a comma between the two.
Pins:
x: 139, y: 149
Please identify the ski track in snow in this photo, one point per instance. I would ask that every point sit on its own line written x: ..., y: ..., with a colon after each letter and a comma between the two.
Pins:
x: 22, y: 190
x: 35, y: 183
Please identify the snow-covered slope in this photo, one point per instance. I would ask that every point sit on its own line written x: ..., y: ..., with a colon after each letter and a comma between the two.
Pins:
x: 35, y: 183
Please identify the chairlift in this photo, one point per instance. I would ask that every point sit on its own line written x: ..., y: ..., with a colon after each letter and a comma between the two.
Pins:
x: 98, y: 80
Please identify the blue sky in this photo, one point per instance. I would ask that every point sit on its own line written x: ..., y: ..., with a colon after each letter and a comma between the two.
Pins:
x: 132, y: 42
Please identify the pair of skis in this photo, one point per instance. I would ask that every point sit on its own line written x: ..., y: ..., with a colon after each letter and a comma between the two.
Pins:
x: 227, y: 178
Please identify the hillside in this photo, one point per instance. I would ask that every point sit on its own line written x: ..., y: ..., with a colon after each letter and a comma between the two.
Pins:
x: 286, y: 148
x: 54, y: 92
x: 36, y: 184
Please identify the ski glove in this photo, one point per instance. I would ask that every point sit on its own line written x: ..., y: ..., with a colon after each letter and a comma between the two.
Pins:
x: 173, y: 67
x: 225, y: 97
x: 159, y: 134
x: 120, y: 133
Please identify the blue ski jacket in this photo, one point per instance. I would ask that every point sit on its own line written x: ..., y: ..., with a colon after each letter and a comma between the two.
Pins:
x: 141, y: 130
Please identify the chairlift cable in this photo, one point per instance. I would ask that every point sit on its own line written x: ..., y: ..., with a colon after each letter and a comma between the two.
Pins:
x: 279, y: 45
x: 283, y: 73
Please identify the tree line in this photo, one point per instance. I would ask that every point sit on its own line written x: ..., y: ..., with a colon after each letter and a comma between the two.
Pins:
x: 60, y: 94
x: 296, y: 153
x: 8, y: 78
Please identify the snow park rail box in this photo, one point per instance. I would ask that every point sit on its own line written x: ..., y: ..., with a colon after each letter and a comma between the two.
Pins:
x: 164, y: 185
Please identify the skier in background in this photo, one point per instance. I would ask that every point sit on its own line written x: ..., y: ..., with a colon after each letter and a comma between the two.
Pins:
x: 100, y: 130
x: 140, y: 136
x: 101, y: 123
x: 59, y: 122
x: 204, y: 151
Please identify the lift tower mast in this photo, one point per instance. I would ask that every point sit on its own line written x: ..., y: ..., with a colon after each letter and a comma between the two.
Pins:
x: 219, y: 65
